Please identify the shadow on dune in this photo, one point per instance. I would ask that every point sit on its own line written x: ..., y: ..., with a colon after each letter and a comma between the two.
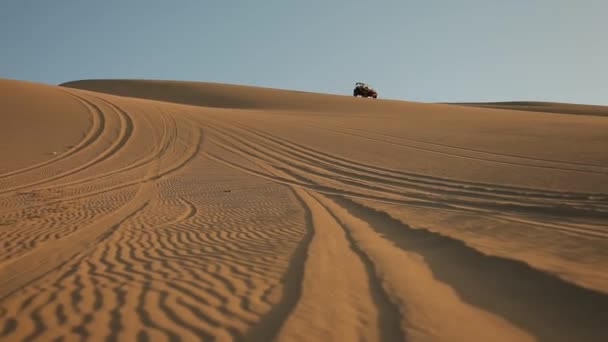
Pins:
x: 219, y: 95
x: 543, y: 304
x: 230, y: 96
x: 189, y: 93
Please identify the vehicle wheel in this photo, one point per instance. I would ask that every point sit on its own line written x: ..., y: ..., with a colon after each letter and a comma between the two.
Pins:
x: 375, y: 96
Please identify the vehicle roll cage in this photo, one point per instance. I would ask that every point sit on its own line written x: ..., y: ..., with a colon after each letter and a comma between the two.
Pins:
x: 363, y: 85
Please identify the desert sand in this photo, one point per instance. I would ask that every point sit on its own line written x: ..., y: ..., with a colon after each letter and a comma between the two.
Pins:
x: 164, y: 210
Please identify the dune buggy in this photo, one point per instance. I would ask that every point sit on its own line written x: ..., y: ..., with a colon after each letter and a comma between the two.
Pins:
x: 362, y: 89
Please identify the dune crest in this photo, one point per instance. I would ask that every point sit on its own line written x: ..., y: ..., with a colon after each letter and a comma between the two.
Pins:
x: 199, y: 211
x: 547, y: 107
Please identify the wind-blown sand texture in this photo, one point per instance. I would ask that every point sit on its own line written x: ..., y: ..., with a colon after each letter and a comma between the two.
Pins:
x: 157, y: 210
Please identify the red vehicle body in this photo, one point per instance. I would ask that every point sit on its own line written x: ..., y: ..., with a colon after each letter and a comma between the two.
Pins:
x: 362, y: 89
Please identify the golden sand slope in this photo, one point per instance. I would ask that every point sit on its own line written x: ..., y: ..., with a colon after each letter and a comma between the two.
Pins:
x: 199, y: 211
x: 39, y: 124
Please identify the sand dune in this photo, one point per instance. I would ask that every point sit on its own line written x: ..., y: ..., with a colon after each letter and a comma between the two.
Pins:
x: 548, y: 107
x: 200, y: 211
x: 27, y: 121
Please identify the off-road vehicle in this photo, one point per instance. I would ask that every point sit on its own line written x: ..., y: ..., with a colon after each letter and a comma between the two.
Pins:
x: 362, y: 89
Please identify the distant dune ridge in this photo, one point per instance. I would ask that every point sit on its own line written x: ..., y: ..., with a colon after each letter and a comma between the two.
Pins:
x: 548, y: 107
x: 167, y: 210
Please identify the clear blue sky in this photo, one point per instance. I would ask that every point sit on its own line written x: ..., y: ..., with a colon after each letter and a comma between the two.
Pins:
x: 468, y: 50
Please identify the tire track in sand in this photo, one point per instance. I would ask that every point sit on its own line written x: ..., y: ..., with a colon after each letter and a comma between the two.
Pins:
x: 125, y: 131
x: 47, y: 257
x: 412, y: 179
x: 74, y: 305
x: 97, y: 127
x: 206, y: 273
x: 374, y: 184
x: 337, y: 272
x: 383, y: 319
x: 539, y: 303
x: 429, y: 319
x: 32, y: 265
x: 523, y: 161
x: 177, y: 144
x: 597, y: 168
x: 247, y: 151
